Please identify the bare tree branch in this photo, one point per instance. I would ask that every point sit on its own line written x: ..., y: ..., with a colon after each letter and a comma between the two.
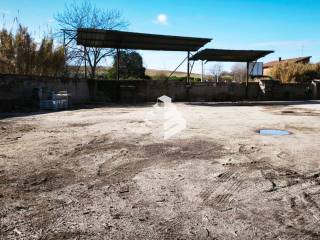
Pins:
x: 87, y: 15
x: 216, y: 71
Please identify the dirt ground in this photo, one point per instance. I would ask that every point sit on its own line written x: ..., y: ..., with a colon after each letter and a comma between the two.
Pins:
x: 106, y: 173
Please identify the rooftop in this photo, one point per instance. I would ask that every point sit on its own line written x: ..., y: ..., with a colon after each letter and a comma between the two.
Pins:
x: 289, y: 60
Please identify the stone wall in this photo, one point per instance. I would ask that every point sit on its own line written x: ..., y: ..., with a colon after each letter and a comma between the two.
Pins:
x: 18, y: 91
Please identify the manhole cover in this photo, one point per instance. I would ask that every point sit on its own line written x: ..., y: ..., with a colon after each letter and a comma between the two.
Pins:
x: 273, y: 132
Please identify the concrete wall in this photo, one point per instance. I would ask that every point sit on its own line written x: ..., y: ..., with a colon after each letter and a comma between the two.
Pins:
x: 217, y: 92
x: 17, y: 91
x: 316, y: 89
x: 274, y: 90
x: 292, y: 91
x: 150, y: 90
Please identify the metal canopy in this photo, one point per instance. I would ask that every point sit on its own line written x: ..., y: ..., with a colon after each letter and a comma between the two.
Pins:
x: 88, y: 37
x: 227, y: 55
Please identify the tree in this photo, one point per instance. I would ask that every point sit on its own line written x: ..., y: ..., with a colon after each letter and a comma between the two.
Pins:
x: 20, y: 54
x: 239, y: 72
x: 7, y: 52
x: 295, y: 72
x: 130, y: 66
x: 87, y: 15
x: 49, y: 61
x: 226, y: 76
x: 216, y: 71
x: 25, y: 51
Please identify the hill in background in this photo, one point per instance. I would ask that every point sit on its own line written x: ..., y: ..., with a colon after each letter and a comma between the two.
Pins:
x: 152, y: 73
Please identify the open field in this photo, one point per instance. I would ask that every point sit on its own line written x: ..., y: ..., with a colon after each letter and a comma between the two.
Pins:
x: 101, y: 71
x: 104, y: 173
x: 155, y: 72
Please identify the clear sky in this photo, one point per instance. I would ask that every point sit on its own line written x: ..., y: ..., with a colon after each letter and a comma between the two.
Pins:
x: 290, y: 27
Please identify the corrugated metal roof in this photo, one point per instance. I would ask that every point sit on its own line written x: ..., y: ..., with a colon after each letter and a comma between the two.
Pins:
x: 227, y: 55
x: 142, y: 41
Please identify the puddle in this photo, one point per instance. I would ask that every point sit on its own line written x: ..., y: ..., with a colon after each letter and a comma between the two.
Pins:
x: 273, y: 132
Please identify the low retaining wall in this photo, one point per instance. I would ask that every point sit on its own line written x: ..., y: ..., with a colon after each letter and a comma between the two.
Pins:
x: 274, y: 90
x: 18, y: 91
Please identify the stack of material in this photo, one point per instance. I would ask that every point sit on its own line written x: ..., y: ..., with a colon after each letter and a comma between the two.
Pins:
x: 62, y: 99
x: 58, y: 101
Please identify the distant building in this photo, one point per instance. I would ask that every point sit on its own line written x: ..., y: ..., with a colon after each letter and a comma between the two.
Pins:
x: 267, y: 67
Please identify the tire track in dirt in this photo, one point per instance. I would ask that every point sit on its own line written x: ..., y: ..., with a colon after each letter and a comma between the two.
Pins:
x: 304, y: 215
x: 234, y: 178
x: 222, y: 193
x: 303, y: 207
x: 224, y: 177
x: 303, y: 228
x: 227, y: 196
x: 310, y: 206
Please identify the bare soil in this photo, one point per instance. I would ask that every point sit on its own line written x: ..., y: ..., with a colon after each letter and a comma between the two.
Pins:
x: 104, y: 173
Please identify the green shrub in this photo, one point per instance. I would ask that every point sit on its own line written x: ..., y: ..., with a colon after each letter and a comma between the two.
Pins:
x: 130, y: 66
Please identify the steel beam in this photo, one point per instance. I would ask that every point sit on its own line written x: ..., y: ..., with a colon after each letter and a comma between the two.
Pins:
x: 247, y: 80
x: 85, y: 62
x: 188, y: 68
x: 118, y: 64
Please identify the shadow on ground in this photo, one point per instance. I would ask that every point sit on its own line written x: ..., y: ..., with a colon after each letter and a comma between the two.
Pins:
x: 249, y: 103
x: 25, y: 113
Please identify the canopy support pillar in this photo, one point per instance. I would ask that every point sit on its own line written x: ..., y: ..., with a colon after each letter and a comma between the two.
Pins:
x: 247, y: 81
x: 188, y: 68
x: 64, y: 54
x: 202, y: 70
x: 118, y: 64
x: 85, y: 62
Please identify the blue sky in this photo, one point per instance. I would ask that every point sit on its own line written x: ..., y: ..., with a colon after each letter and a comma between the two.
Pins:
x: 290, y: 27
